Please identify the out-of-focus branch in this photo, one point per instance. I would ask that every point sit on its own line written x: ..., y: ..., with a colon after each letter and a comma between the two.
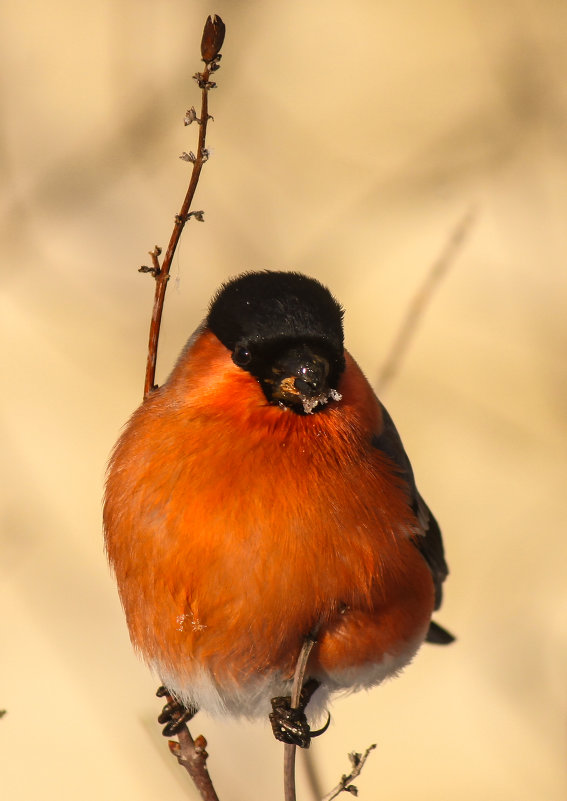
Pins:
x: 422, y: 299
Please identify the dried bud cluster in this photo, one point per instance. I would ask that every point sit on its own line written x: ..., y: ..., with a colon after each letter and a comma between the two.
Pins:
x: 197, y: 215
x: 155, y: 271
x: 202, y: 82
x: 190, y: 116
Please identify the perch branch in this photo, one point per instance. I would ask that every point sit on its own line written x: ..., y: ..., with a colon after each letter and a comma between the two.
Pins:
x: 290, y: 749
x: 191, y: 754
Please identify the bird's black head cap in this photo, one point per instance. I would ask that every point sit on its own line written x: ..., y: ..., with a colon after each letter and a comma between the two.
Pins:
x: 265, y: 305
x: 260, y: 314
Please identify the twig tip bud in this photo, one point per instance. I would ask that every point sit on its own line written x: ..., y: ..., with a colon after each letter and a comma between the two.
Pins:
x: 213, y: 37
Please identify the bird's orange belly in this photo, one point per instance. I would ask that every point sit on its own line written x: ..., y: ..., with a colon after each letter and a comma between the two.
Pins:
x: 250, y: 542
x: 232, y: 650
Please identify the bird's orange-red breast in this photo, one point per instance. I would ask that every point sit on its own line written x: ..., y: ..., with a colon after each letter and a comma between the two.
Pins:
x: 263, y: 493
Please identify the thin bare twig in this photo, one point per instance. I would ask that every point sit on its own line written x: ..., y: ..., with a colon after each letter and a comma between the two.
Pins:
x: 423, y: 297
x: 211, y: 43
x: 290, y: 749
x: 345, y: 785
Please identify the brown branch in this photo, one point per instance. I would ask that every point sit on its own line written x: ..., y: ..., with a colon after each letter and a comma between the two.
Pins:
x: 357, y: 760
x: 211, y: 43
x: 290, y: 749
x: 345, y: 785
x: 422, y: 299
x: 191, y: 754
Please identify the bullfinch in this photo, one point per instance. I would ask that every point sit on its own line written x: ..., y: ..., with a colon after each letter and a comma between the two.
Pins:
x: 263, y: 495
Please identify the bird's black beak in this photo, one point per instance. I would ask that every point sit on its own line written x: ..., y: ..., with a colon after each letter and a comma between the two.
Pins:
x: 300, y: 380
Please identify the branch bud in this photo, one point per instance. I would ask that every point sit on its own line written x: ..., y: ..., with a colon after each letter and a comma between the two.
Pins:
x: 213, y: 37
x: 190, y: 116
x: 198, y: 215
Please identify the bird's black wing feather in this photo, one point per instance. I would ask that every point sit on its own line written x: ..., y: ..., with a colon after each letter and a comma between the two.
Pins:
x: 429, y: 542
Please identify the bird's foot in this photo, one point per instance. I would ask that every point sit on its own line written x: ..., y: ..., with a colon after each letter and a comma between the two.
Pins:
x: 290, y: 725
x: 174, y: 715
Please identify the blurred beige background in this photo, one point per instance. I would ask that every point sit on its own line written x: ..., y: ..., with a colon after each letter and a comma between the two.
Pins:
x: 349, y: 140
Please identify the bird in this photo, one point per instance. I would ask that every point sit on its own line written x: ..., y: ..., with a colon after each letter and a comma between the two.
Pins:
x: 260, y: 496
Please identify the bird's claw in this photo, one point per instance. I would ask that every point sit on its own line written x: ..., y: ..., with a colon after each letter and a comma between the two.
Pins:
x: 174, y: 715
x: 290, y: 725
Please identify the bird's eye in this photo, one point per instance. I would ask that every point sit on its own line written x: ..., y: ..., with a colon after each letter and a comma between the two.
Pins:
x: 241, y: 356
